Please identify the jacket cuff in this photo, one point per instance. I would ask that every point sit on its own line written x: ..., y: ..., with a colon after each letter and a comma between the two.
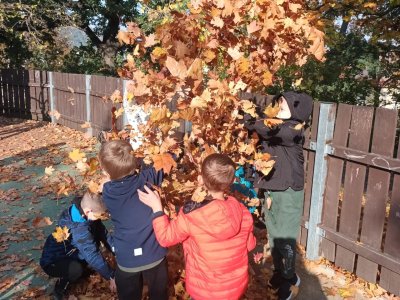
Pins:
x: 158, y: 214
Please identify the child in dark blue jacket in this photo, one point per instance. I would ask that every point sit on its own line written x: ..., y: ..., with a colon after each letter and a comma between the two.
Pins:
x: 67, y: 259
x: 139, y: 255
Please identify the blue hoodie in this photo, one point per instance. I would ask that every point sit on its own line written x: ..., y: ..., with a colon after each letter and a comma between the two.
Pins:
x: 134, y: 239
x: 82, y: 244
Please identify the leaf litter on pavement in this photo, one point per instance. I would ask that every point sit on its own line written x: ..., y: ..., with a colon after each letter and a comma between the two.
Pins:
x: 41, y: 167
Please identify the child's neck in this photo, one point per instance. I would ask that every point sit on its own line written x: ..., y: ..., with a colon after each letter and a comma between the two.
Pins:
x: 217, y: 195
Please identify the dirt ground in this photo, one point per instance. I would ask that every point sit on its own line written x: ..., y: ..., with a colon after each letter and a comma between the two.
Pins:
x: 32, y: 195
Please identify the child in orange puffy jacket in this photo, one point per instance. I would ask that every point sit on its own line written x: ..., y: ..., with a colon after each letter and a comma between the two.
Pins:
x: 216, y: 234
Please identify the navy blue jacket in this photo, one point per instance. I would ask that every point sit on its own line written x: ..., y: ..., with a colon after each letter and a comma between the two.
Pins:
x: 82, y: 244
x: 134, y: 239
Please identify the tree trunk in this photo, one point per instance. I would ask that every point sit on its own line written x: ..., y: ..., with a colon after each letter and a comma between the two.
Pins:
x: 109, y: 52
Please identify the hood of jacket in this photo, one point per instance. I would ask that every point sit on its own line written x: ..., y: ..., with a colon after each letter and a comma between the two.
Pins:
x: 300, y: 105
x: 220, y: 218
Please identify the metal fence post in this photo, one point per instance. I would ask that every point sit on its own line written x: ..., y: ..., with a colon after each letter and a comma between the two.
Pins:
x: 88, y: 88
x: 52, y: 102
x: 324, y: 136
x: 125, y: 103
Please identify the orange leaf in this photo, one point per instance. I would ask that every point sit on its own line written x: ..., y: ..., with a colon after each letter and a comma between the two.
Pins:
x: 41, y: 222
x: 163, y: 161
x: 253, y: 27
x: 217, y: 22
x: 177, y: 69
x: 235, y: 53
x: 272, y: 122
x: 150, y: 40
x: 61, y: 234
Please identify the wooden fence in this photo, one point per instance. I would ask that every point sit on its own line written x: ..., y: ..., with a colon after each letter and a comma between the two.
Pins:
x: 352, y: 191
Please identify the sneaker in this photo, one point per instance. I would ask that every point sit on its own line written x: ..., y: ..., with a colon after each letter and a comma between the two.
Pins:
x: 276, y: 281
x: 60, y: 289
x: 289, y: 288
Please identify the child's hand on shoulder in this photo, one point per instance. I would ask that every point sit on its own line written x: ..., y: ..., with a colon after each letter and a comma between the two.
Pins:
x: 150, y: 198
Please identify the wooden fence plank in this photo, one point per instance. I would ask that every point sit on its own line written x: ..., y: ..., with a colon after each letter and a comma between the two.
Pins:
x: 360, y: 132
x: 388, y: 279
x: 334, y: 179
x: 377, y: 191
x: 309, y: 173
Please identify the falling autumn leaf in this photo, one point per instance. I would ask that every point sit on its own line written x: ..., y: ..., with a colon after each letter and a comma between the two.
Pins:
x: 86, y: 125
x: 76, y: 155
x: 41, y: 222
x: 272, y: 122
x: 49, y: 170
x: 61, y: 234
x: 55, y: 113
x: 119, y: 112
x: 271, y: 111
x: 199, y: 194
x: 164, y: 161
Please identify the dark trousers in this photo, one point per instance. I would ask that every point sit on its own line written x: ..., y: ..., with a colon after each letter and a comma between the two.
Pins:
x: 130, y: 285
x: 67, y: 269
x: 283, y: 225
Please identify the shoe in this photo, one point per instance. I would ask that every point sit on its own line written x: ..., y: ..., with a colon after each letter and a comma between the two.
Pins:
x: 276, y: 280
x: 60, y: 289
x: 289, y: 288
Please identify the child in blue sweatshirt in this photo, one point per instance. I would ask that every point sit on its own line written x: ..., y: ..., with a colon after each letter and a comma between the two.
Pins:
x: 67, y: 259
x: 139, y: 255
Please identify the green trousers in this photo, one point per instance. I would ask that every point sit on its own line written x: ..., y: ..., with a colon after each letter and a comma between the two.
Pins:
x: 283, y: 224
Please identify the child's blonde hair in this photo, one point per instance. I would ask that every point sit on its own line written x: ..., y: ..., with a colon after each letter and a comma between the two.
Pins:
x: 218, y: 172
x: 94, y: 202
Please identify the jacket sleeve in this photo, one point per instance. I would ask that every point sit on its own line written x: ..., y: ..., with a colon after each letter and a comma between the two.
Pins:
x: 170, y: 232
x: 151, y: 176
x: 84, y: 241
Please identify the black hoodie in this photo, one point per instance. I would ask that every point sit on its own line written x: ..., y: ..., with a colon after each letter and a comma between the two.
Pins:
x: 285, y: 144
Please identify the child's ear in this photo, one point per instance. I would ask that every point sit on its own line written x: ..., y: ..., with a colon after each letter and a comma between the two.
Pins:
x: 200, y: 180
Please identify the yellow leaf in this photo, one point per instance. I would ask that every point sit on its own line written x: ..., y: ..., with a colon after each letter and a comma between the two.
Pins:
x: 158, y: 52
x: 158, y: 114
x: 209, y: 55
x: 299, y: 126
x: 76, y: 155
x: 61, y: 234
x: 119, y: 112
x: 271, y: 111
x: 243, y: 65
x: 94, y: 187
x: 49, y: 170
x: 346, y: 292
x: 199, y: 194
x: 371, y: 5
x: 267, y: 78
x: 249, y: 108
x: 82, y: 166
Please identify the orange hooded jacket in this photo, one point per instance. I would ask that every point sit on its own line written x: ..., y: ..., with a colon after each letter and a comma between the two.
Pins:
x: 216, y: 240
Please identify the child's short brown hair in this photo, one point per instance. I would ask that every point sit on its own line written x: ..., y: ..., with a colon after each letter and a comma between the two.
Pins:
x: 218, y: 172
x: 117, y: 159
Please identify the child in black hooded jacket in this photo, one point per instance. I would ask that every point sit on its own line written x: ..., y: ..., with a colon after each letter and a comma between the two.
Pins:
x: 284, y: 184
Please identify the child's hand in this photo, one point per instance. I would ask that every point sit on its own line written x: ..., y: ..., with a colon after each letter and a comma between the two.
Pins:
x: 113, y: 286
x: 151, y: 199
x: 269, y: 203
